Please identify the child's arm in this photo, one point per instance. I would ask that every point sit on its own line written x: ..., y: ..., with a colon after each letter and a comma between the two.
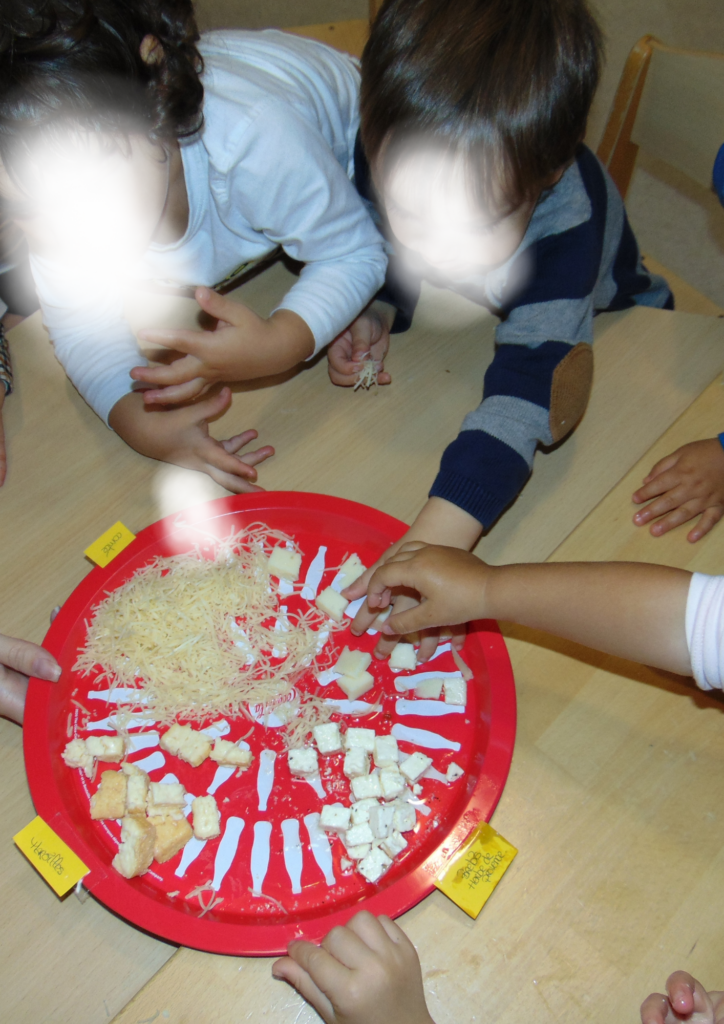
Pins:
x: 181, y: 436
x: 685, y: 484
x: 243, y: 346
x: 368, y: 337
x: 365, y: 973
x: 686, y: 1000
x: 18, y: 660
x: 628, y: 609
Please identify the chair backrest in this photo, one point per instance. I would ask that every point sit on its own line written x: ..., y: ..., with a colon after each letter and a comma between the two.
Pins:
x: 670, y: 103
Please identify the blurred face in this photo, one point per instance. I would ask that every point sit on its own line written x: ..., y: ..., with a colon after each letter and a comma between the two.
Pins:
x: 430, y: 209
x: 93, y: 207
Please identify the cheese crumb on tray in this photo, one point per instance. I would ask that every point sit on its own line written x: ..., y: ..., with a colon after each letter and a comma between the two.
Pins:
x: 206, y: 817
x: 171, y: 836
x: 135, y: 853
x: 109, y: 800
x: 374, y: 865
x: 227, y: 753
x: 188, y: 744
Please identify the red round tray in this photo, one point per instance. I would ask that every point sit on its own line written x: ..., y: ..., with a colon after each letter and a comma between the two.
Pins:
x: 244, y: 924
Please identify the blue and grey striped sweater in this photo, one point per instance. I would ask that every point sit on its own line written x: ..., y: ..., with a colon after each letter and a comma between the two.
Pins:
x: 578, y: 258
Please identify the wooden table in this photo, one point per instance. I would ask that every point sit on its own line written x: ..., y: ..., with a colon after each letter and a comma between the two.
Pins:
x: 614, y: 795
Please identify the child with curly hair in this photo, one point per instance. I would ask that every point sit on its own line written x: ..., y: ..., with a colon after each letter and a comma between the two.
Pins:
x: 133, y: 150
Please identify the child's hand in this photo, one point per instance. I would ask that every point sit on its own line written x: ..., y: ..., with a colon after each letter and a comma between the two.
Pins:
x: 686, y: 1000
x: 365, y: 973
x: 450, y: 584
x: 367, y: 337
x: 684, y: 484
x: 242, y: 346
x: 181, y: 436
x: 18, y: 660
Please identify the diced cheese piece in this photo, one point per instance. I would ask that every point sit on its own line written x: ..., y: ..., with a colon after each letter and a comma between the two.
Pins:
x: 404, y: 818
x: 382, y: 617
x: 364, y: 738
x: 394, y: 844
x: 429, y: 689
x: 358, y: 852
x: 350, y: 571
x: 386, y: 751
x: 357, y: 835
x: 328, y: 738
x: 364, y: 786
x: 403, y: 657
x: 171, y: 836
x: 352, y: 663
x: 361, y: 810
x: 391, y: 782
x: 381, y: 820
x: 164, y: 797
x: 188, y: 744
x: 414, y: 766
x: 332, y: 604
x: 374, y: 865
x: 345, y: 864
x: 109, y: 800
x: 227, y: 753
x: 77, y: 755
x: 303, y: 761
x: 356, y: 762
x: 285, y: 564
x: 454, y: 772
x: 136, y: 788
x: 106, y: 748
x: 136, y: 850
x: 354, y: 688
x: 456, y: 691
x: 206, y: 817
x: 335, y: 818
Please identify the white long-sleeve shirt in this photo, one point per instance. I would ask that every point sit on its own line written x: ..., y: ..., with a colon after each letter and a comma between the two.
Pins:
x: 272, y: 166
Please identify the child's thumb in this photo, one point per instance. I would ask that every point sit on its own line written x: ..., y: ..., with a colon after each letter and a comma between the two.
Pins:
x: 214, y: 405
x: 214, y: 304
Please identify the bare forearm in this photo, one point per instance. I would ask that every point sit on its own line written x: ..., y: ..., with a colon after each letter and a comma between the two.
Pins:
x: 441, y: 522
x: 629, y: 609
x: 289, y: 341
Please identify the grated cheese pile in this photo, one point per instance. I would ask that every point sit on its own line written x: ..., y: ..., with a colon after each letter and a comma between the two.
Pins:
x: 174, y: 632
x: 367, y: 377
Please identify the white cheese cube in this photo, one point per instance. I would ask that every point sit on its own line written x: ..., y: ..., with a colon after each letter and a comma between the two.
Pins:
x: 136, y: 788
x: 454, y: 772
x: 227, y: 753
x: 404, y: 818
x: 391, y: 782
x: 106, y: 748
x: 429, y: 689
x: 361, y: 810
x: 77, y: 755
x: 394, y: 844
x: 335, y: 818
x: 364, y: 786
x: 303, y: 761
x: 374, y: 865
x: 285, y: 564
x: 382, y: 617
x: 386, y: 751
x: 328, y: 738
x: 357, y: 835
x: 332, y: 604
x: 358, y: 852
x: 456, y: 691
x: 381, y: 820
x: 414, y: 766
x: 206, y: 817
x: 403, y: 657
x: 354, y: 688
x: 364, y: 738
x: 352, y: 663
x: 165, y: 794
x: 188, y: 744
x: 350, y: 571
x: 356, y: 762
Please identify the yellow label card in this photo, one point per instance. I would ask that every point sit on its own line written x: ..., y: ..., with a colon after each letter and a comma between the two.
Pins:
x: 109, y: 544
x: 50, y: 856
x: 476, y: 868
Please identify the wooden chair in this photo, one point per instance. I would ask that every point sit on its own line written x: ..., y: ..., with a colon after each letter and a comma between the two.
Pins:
x: 670, y: 103
x: 349, y: 36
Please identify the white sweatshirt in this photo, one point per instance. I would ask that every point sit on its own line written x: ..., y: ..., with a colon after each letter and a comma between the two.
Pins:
x: 271, y: 166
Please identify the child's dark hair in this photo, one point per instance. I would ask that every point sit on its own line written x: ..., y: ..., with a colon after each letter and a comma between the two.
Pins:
x: 79, y: 61
x: 505, y: 83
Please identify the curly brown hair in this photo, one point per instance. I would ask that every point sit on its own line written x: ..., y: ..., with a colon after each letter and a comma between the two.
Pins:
x: 79, y: 61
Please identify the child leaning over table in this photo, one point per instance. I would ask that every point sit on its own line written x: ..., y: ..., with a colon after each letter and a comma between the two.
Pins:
x: 127, y: 152
x: 473, y: 114
x: 368, y: 972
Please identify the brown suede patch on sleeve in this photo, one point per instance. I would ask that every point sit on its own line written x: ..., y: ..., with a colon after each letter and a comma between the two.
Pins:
x: 570, y: 390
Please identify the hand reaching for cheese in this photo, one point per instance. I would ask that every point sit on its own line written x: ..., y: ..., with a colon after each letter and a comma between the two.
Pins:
x: 365, y: 973
x: 685, y: 1000
x: 367, y: 337
x: 18, y: 660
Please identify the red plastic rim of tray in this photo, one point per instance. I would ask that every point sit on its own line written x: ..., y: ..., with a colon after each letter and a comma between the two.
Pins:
x: 244, y: 924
